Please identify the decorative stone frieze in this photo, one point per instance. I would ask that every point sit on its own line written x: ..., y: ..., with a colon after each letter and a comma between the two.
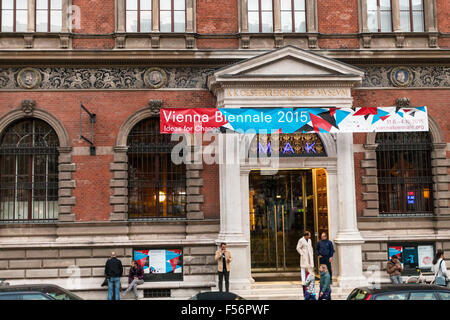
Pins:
x: 58, y: 78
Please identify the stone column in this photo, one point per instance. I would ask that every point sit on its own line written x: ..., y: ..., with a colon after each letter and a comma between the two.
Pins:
x: 396, y: 16
x: 333, y: 214
x: 120, y: 16
x: 348, y: 238
x: 276, y: 16
x: 231, y: 213
x: 31, y: 15
x: 311, y: 26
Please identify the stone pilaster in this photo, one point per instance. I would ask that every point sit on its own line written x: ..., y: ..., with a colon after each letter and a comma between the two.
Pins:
x: 194, y: 198
x: 441, y: 179
x: 119, y: 184
x: 369, y: 181
x: 66, y: 184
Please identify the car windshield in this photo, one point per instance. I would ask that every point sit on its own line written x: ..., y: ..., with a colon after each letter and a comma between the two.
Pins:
x: 59, y: 293
x: 392, y: 296
x: 358, y: 294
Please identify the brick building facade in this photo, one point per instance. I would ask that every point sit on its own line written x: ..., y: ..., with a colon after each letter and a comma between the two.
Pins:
x: 101, y: 61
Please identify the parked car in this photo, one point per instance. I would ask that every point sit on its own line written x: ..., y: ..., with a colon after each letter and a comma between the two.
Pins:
x: 401, y: 292
x: 36, y: 292
x: 216, y: 295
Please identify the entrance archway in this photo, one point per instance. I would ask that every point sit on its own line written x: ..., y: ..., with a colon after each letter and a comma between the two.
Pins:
x: 282, y: 207
x: 289, y: 78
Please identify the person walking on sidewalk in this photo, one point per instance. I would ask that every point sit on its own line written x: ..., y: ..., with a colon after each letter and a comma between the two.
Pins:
x: 223, y: 258
x: 325, y: 252
x: 394, y: 269
x: 135, y: 278
x: 305, y: 249
x: 325, y: 281
x: 310, y: 292
x: 113, y: 272
x: 440, y: 269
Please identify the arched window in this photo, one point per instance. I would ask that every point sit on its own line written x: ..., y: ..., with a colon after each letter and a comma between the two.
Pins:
x: 404, y: 173
x: 156, y: 186
x: 29, y: 172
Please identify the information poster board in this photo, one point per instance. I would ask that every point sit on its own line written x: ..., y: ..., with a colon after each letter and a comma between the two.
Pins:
x: 410, y: 257
x: 425, y: 256
x: 160, y: 264
x: 396, y: 251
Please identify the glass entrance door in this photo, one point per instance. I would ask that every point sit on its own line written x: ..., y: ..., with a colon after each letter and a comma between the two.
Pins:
x: 282, y: 207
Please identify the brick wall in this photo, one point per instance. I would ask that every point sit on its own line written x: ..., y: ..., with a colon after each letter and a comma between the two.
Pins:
x: 92, y: 174
x: 435, y: 100
x: 338, y: 16
x: 217, y: 16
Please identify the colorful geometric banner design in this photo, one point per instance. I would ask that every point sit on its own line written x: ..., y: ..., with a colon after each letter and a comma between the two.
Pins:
x: 159, y: 261
x: 291, y: 120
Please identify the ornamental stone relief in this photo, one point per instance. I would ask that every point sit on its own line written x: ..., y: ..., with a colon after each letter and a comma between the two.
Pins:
x: 192, y: 77
x: 104, y: 78
x: 406, y: 76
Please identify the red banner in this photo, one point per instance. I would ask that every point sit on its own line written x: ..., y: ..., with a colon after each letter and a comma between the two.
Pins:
x: 190, y: 120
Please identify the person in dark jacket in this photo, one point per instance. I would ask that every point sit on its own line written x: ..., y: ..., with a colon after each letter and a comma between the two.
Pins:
x: 325, y: 281
x: 325, y: 252
x: 113, y: 272
x: 135, y: 277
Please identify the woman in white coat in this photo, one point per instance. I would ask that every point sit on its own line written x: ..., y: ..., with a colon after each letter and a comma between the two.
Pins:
x: 305, y: 249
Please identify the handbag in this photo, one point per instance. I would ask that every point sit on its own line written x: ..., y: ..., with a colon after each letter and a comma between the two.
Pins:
x: 440, y: 281
x: 105, y: 283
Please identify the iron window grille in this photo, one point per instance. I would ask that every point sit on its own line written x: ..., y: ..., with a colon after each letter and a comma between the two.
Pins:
x: 156, y: 186
x: 405, y: 183
x: 29, y: 172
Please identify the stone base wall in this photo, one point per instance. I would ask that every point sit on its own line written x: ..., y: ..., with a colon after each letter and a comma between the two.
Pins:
x: 74, y: 255
x: 379, y: 233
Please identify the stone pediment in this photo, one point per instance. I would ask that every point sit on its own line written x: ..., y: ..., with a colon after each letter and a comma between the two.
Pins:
x: 289, y: 64
x: 285, y: 77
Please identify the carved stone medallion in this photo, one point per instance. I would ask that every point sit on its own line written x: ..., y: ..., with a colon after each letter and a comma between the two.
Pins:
x: 29, y: 78
x: 401, y: 76
x: 155, y: 78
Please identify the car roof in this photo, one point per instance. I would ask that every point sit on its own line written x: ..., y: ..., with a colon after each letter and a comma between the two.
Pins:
x: 29, y: 287
x: 5, y: 293
x: 403, y: 287
x: 216, y: 295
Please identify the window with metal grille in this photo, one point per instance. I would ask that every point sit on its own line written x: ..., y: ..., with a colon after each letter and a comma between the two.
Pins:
x: 404, y: 173
x: 156, y: 186
x: 29, y: 172
x: 156, y: 293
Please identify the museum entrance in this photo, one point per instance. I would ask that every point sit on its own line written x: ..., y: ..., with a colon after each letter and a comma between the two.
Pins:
x: 282, y: 207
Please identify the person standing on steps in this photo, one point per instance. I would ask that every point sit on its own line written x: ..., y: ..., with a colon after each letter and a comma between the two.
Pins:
x: 325, y: 252
x: 305, y: 249
x: 223, y: 258
x: 113, y: 272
